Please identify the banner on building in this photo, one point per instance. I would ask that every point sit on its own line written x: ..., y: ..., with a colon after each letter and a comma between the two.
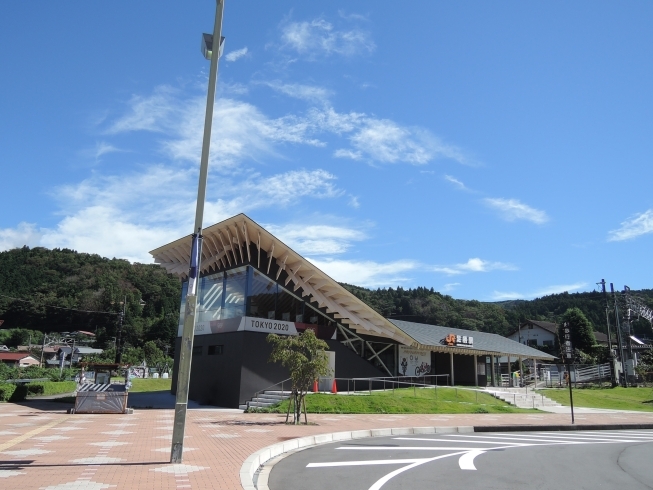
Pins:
x: 414, y: 362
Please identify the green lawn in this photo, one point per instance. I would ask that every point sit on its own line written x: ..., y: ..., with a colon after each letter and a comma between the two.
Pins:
x: 150, y: 384
x: 449, y: 400
x: 612, y: 398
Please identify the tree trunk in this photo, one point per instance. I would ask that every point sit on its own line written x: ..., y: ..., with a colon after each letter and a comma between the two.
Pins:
x: 298, y: 409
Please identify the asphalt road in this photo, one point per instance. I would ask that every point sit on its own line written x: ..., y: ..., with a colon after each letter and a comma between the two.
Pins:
x: 620, y: 460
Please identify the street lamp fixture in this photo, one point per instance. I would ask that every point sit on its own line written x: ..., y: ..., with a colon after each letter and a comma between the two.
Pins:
x: 207, y: 46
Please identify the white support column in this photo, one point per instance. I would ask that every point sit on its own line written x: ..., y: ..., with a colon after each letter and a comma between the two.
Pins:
x: 475, y: 370
x: 510, y: 383
x: 521, y: 369
x: 535, y: 372
x: 451, y: 363
x: 493, y: 374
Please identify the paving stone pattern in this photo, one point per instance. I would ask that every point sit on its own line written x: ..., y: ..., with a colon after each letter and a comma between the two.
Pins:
x: 41, y: 447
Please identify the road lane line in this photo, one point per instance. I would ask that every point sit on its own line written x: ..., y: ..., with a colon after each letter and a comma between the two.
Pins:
x: 516, y: 444
x: 419, y: 448
x: 466, y: 461
x: 368, y: 462
x: 504, y: 438
x: 38, y: 430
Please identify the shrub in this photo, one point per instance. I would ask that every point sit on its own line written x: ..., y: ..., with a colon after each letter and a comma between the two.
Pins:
x: 6, y: 391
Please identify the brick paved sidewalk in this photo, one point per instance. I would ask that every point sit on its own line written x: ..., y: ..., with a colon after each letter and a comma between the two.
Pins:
x: 41, y: 447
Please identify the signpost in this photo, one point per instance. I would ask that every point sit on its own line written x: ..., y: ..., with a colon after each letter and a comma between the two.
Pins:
x: 567, y: 354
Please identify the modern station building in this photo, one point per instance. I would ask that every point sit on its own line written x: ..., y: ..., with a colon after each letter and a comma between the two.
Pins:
x: 252, y: 284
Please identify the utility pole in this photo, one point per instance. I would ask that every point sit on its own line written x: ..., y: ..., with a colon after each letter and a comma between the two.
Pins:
x: 622, y: 378
x: 42, y: 349
x: 613, y: 378
x: 121, y: 318
x: 211, y: 47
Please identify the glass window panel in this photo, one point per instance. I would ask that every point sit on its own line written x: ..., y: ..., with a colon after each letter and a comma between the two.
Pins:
x: 234, y: 294
x: 289, y: 306
x: 261, y: 302
x: 211, y: 289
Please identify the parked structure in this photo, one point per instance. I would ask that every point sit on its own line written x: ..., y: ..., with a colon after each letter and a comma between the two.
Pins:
x: 252, y: 284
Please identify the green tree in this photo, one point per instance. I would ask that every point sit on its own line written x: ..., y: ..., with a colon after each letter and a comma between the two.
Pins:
x: 304, y: 357
x: 581, y: 331
x: 153, y: 355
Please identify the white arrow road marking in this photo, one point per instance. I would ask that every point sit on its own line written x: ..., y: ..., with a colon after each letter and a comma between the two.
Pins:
x: 383, y: 480
x: 466, y: 461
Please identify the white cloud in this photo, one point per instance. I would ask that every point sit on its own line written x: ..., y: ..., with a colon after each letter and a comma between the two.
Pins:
x: 513, y: 209
x: 237, y: 54
x: 473, y: 265
x: 385, y: 141
x: 317, y: 239
x: 239, y: 132
x: 367, y: 273
x: 101, y: 148
x: 450, y: 287
x: 310, y: 93
x: 23, y: 234
x: 126, y: 216
x: 242, y: 132
x: 635, y: 226
x: 353, y: 202
x: 319, y: 37
x: 457, y: 183
x: 504, y: 296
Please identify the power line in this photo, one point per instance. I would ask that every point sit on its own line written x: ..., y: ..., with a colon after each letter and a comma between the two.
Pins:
x: 60, y: 307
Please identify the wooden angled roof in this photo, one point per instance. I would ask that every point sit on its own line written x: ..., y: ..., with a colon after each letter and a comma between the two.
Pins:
x: 227, y: 244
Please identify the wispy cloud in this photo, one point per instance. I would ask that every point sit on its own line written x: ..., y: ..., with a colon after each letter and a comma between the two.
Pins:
x: 504, y: 296
x: 450, y: 287
x: 635, y: 226
x: 473, y: 265
x: 320, y: 38
x: 317, y: 239
x: 237, y: 54
x: 513, y: 209
x: 367, y: 273
x: 384, y: 141
x: 310, y: 93
x: 456, y: 183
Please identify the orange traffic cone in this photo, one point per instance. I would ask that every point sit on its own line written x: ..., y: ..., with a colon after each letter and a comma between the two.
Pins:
x: 315, y: 388
x: 334, y: 388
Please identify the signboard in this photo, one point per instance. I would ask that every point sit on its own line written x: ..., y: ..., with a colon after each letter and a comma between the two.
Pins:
x: 414, y: 362
x: 566, y: 348
x: 453, y: 340
x: 243, y: 323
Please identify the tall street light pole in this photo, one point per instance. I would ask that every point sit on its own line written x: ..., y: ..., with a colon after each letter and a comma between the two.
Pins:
x: 211, y: 48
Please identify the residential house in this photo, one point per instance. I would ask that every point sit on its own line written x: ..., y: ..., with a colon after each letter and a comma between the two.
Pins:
x: 18, y: 359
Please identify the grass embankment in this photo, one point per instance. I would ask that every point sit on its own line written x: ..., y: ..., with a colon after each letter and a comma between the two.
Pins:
x: 14, y: 393
x: 618, y: 398
x: 448, y: 400
x: 150, y: 384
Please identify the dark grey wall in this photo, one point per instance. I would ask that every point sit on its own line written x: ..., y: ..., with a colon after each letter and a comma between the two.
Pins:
x: 351, y: 365
x: 257, y: 373
x: 215, y: 380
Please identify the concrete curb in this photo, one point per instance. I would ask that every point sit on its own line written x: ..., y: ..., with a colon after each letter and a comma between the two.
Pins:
x: 262, y: 456
x: 282, y: 449
x: 553, y: 428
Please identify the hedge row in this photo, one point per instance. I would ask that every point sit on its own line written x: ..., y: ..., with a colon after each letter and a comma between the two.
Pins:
x: 40, y: 388
x: 14, y: 393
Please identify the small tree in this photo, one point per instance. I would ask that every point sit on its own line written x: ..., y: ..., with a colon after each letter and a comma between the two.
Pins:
x: 581, y: 331
x: 304, y: 357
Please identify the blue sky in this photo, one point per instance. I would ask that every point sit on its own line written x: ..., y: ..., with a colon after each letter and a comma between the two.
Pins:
x: 490, y: 150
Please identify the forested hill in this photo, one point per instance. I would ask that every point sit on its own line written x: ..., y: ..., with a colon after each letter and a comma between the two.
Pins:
x: 67, y: 279
x: 428, y: 306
